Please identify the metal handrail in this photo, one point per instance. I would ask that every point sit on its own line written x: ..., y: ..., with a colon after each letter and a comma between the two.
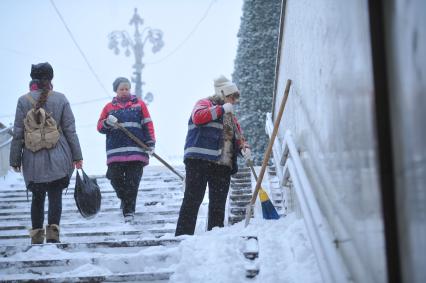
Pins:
x: 6, y: 143
x: 4, y: 149
x: 7, y: 130
x: 290, y: 170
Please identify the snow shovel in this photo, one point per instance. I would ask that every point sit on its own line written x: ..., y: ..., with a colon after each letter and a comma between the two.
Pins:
x: 144, y: 146
x: 267, y: 154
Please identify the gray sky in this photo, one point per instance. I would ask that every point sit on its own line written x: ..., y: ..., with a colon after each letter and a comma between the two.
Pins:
x: 200, y: 44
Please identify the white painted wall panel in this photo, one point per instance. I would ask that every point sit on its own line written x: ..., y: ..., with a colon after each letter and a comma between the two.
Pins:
x: 325, y: 50
x: 406, y: 25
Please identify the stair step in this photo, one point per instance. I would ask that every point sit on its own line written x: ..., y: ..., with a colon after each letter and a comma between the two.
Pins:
x: 124, y: 277
x: 241, y: 187
x: 241, y: 175
x: 65, y: 226
x: 241, y: 180
x: 107, y: 205
x: 142, y: 189
x: 74, y: 261
x: 95, y: 233
x: 72, y: 213
x: 246, y: 191
x: 111, y: 218
x: 7, y: 251
x: 244, y: 169
x: 234, y: 198
x: 238, y: 204
x: 105, y: 194
x: 238, y: 211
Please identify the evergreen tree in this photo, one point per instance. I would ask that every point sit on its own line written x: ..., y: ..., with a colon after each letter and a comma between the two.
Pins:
x: 254, y: 71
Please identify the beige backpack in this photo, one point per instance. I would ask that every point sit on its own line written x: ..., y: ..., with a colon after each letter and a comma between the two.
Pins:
x: 41, y: 130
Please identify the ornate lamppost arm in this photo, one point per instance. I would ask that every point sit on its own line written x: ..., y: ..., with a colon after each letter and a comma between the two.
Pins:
x: 123, y: 39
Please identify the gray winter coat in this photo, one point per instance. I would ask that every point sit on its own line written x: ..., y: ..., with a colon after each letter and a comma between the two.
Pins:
x: 46, y: 165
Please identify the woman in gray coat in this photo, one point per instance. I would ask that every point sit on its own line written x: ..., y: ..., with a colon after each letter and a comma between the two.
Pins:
x: 47, y: 170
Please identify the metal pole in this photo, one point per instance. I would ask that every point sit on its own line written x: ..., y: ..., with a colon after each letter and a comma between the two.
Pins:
x: 136, y: 45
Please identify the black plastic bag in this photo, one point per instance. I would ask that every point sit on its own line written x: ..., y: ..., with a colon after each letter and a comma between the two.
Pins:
x: 87, y: 195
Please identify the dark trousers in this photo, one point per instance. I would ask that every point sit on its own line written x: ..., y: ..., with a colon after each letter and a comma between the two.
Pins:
x: 125, y: 178
x: 54, y: 194
x: 199, y: 173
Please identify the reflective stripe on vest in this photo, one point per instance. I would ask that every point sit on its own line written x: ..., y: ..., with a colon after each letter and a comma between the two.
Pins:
x: 204, y: 141
x: 125, y: 149
x: 131, y: 124
x: 211, y: 124
x: 203, y: 151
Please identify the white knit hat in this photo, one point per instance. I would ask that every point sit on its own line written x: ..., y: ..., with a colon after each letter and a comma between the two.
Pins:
x: 223, y: 86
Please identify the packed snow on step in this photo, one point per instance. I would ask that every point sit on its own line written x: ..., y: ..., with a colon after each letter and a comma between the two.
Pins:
x: 285, y: 254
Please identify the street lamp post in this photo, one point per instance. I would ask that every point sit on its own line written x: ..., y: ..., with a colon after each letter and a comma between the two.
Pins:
x: 136, y: 45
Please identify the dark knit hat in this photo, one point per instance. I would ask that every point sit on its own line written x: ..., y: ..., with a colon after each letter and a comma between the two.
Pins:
x: 41, y: 71
x: 118, y: 81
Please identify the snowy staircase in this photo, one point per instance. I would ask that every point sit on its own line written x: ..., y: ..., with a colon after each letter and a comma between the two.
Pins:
x: 240, y: 194
x: 276, y: 192
x: 100, y: 249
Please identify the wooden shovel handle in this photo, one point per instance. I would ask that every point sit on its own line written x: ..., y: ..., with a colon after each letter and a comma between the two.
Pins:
x: 144, y: 146
x: 271, y: 143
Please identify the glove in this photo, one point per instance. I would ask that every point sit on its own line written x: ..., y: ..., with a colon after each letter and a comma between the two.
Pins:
x: 111, y: 120
x: 246, y: 152
x: 150, y: 150
x: 228, y: 108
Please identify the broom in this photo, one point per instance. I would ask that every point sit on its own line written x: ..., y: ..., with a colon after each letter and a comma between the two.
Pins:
x: 144, y: 146
x: 268, y: 209
x: 267, y: 154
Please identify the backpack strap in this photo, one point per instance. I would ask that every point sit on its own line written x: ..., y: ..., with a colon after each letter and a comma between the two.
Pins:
x: 33, y: 101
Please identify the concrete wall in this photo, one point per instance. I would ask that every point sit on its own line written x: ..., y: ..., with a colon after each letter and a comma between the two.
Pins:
x: 325, y: 50
x: 406, y: 50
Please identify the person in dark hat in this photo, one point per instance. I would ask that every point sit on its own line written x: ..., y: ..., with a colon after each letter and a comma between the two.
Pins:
x: 125, y: 159
x: 42, y: 71
x: 47, y: 170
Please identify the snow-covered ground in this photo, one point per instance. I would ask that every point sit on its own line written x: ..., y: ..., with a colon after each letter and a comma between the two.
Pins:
x: 285, y: 253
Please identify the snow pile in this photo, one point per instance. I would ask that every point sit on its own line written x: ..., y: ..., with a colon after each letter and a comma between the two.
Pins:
x: 285, y: 254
